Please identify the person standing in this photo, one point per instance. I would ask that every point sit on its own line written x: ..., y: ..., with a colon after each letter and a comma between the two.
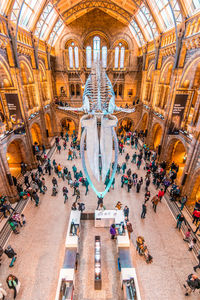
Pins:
x: 86, y: 183
x: 100, y: 201
x: 69, y: 154
x: 183, y: 201
x: 155, y: 201
x: 113, y: 231
x: 130, y: 183
x: 144, y: 211
x: 9, y: 251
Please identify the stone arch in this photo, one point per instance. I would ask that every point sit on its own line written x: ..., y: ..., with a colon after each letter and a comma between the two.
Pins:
x: 195, y: 189
x: 187, y: 80
x: 68, y: 124
x: 28, y: 82
x: 5, y: 76
x: 164, y: 73
x: 36, y: 133
x: 16, y: 153
x: 144, y: 122
x: 125, y: 124
x: 48, y: 124
x: 43, y: 80
x: 177, y: 151
x: 157, y: 132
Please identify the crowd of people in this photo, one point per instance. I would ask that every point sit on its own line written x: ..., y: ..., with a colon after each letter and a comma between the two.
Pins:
x: 157, y: 174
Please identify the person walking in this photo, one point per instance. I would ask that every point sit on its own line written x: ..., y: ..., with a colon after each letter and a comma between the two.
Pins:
x: 54, y: 182
x: 26, y: 181
x: 100, y: 201
x: 126, y: 211
x: 36, y: 198
x: 155, y: 201
x: 59, y: 171
x: 144, y: 211
x: 65, y: 194
x: 113, y: 231
x: 134, y: 158
x: 69, y: 154
x: 13, y: 283
x: 40, y: 170
x: 9, y: 251
x: 161, y: 194
x: 129, y: 229
x: 183, y: 201
x: 196, y: 216
x: 130, y: 183
x: 180, y: 218
x: 86, y: 183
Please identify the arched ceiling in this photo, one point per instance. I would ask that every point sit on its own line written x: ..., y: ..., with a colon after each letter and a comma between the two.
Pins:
x: 145, y: 18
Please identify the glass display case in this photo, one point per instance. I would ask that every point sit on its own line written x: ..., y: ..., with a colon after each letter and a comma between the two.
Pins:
x: 66, y: 290
x: 129, y: 289
x: 97, y: 263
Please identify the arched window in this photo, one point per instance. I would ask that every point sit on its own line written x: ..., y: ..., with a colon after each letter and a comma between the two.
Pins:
x: 71, y: 60
x: 122, y: 54
x: 96, y: 48
x: 116, y: 57
x: 76, y: 57
x: 88, y: 57
x: 104, y: 57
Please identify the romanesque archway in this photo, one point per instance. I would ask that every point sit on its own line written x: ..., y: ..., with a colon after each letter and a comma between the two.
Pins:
x: 48, y: 124
x: 195, y: 194
x: 68, y: 125
x: 15, y: 155
x: 144, y: 122
x: 36, y: 134
x: 125, y: 125
x: 156, y: 136
x: 177, y: 153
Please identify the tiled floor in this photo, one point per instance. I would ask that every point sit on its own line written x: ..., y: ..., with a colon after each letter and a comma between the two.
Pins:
x: 85, y: 275
x: 40, y: 247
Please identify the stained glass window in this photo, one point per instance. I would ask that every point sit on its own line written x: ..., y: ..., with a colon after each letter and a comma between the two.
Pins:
x: 122, y: 54
x: 96, y: 48
x: 116, y: 57
x: 71, y: 59
x: 76, y: 57
x: 104, y: 57
x: 88, y: 57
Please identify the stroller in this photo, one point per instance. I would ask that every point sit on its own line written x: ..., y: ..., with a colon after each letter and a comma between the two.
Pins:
x: 54, y: 191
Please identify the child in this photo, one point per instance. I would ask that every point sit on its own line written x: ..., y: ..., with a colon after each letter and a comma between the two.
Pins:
x: 191, y: 244
x: 187, y: 235
x: 23, y: 219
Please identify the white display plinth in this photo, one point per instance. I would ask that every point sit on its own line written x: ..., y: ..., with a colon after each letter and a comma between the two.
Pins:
x: 72, y: 240
x: 126, y: 274
x: 66, y: 274
x: 105, y: 218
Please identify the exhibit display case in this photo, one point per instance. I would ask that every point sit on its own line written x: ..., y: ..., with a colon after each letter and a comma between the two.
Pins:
x: 97, y: 263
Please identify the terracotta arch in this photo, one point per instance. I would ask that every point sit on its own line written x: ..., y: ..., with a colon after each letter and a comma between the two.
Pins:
x: 68, y: 124
x: 36, y: 133
x: 157, y: 132
x: 195, y: 190
x: 125, y: 123
x: 16, y: 153
x: 144, y: 122
x: 48, y: 124
x: 190, y: 68
x: 5, y: 76
x: 176, y: 151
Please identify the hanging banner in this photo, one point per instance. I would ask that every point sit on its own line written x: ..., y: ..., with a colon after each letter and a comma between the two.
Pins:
x: 14, y: 109
x: 178, y: 110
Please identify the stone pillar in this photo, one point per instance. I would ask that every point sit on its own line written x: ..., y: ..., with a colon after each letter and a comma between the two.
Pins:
x: 22, y: 101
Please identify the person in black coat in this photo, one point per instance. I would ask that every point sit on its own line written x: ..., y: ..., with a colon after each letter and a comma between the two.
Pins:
x: 144, y: 211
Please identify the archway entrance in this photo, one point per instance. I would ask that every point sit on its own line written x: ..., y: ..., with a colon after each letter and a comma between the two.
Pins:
x: 125, y: 125
x: 143, y: 125
x: 195, y: 195
x: 15, y: 155
x: 68, y: 125
x: 36, y: 134
x: 157, y: 136
x: 48, y: 124
x: 178, y: 154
